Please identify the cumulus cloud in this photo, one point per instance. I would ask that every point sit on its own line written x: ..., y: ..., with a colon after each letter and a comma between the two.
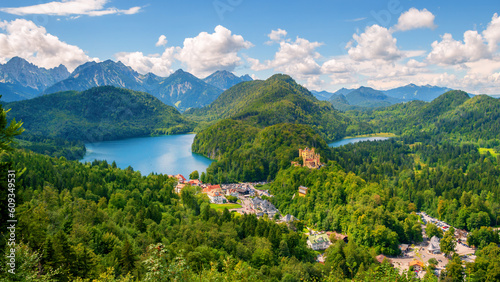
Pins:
x: 475, y: 46
x: 277, y: 35
x: 25, y: 39
x: 334, y: 66
x: 70, y: 7
x: 492, y: 33
x: 297, y: 58
x: 157, y: 64
x: 452, y: 52
x: 162, y: 41
x: 207, y: 53
x: 314, y: 83
x: 376, y: 43
x: 414, y: 19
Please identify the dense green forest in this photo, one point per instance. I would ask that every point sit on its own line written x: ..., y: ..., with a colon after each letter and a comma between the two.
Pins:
x: 346, y: 203
x: 452, y: 116
x: 247, y: 153
x: 95, y: 221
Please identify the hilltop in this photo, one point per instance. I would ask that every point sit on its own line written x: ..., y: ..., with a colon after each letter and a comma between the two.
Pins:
x: 279, y: 99
x: 97, y: 114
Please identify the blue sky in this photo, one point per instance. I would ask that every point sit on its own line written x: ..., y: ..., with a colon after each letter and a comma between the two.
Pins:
x: 322, y: 44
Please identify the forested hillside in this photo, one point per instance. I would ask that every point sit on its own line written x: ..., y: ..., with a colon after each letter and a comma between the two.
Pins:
x: 246, y: 153
x: 58, y: 124
x: 263, y: 125
x: 452, y: 114
x: 87, y: 221
x: 279, y: 99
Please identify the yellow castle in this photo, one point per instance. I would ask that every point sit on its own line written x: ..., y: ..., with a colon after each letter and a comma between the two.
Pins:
x: 309, y: 158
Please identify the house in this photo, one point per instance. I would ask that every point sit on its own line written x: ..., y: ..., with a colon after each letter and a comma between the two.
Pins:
x: 303, y: 191
x: 212, y: 188
x: 179, y: 188
x: 288, y: 218
x: 337, y: 236
x: 232, y: 192
x: 216, y: 197
x: 194, y: 182
x: 381, y: 258
x: 434, y: 247
x: 264, y: 205
x: 318, y: 242
x: 417, y: 265
x: 404, y: 248
x: 180, y: 178
x: 242, y: 191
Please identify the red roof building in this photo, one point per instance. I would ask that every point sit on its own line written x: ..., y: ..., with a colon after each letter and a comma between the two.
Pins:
x: 180, y: 178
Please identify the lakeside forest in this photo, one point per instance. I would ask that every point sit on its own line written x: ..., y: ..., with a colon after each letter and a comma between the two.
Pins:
x: 94, y: 221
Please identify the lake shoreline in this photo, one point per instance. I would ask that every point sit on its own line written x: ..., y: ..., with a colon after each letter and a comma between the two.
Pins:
x: 163, y: 154
x: 381, y: 134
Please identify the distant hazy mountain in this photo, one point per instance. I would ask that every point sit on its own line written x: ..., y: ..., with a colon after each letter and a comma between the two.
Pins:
x: 340, y: 103
x: 184, y: 90
x: 412, y: 92
x: 342, y: 91
x: 321, y: 95
x: 225, y: 80
x: 181, y: 89
x: 20, y: 79
x: 362, y: 97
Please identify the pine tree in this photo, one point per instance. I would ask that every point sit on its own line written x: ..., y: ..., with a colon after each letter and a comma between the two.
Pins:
x: 127, y: 259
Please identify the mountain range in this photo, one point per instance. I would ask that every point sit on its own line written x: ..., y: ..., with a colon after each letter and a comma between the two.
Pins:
x: 366, y: 97
x: 22, y: 80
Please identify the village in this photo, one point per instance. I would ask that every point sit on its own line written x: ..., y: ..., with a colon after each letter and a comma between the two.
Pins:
x: 247, y: 199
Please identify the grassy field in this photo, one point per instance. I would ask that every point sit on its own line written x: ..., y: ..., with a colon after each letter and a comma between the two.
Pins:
x: 222, y: 206
x: 485, y: 150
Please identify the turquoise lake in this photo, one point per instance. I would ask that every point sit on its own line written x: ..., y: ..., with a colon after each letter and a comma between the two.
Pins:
x: 355, y: 140
x: 170, y: 154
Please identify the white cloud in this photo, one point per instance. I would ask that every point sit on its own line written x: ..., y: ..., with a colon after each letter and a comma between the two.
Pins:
x: 25, y: 39
x: 159, y: 65
x: 207, y: 53
x: 376, y: 43
x: 162, y: 41
x: 475, y: 46
x: 314, y: 83
x: 414, y: 19
x: 452, y: 52
x: 334, y: 66
x: 296, y: 58
x: 277, y: 35
x: 70, y: 7
x: 412, y: 63
x: 492, y: 33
